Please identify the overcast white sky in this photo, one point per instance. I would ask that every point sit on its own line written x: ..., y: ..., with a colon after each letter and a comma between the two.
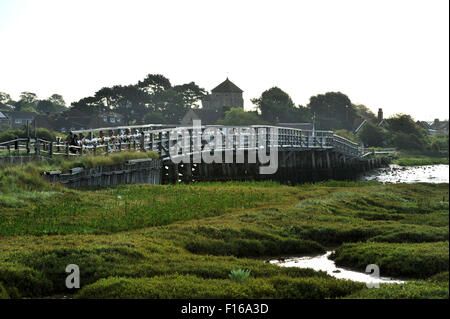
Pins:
x: 391, y: 54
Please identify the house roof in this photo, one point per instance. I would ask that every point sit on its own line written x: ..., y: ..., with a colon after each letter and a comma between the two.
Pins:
x: 189, y: 117
x: 3, y: 116
x: 23, y: 114
x: 227, y: 87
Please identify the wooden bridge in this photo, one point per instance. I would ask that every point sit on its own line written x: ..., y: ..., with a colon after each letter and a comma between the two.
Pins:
x: 300, y: 155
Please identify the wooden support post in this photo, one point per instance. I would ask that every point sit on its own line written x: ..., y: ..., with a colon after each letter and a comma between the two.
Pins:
x: 313, y: 160
x: 328, y: 160
x: 175, y: 169
x: 188, y: 172
x: 151, y: 142
x: 160, y: 145
x: 142, y: 141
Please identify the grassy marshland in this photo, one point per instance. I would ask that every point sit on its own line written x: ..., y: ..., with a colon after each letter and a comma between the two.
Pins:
x: 182, y: 241
x: 413, y: 159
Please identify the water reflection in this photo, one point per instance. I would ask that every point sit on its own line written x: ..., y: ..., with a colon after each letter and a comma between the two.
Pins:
x: 412, y: 174
x: 322, y: 262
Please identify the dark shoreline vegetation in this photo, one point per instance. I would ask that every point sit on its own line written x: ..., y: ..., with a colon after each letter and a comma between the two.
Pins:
x: 420, y: 161
x: 182, y: 241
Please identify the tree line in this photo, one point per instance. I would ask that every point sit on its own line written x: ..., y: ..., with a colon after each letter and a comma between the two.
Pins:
x: 155, y: 100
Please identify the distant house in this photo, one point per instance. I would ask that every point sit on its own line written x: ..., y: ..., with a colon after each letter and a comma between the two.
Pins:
x: 18, y: 119
x: 189, y: 118
x: 72, y: 120
x: 4, y: 119
x: 206, y: 116
x: 440, y: 126
x: 428, y: 126
x: 6, y: 107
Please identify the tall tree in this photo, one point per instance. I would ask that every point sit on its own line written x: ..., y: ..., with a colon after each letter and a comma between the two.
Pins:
x: 5, y: 98
x: 89, y: 105
x: 191, y: 93
x: 275, y: 105
x: 28, y: 102
x: 333, y: 110
x: 57, y: 99
x: 46, y: 106
x: 28, y: 97
x: 154, y: 83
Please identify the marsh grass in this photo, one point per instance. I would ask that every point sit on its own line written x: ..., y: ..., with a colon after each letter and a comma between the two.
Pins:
x: 239, y: 275
x: 411, y: 159
x: 420, y: 161
x: 166, y: 241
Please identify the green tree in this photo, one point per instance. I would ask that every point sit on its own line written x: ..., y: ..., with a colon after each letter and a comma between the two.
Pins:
x: 46, y: 106
x: 57, y: 100
x: 364, y: 112
x: 191, y: 93
x: 5, y: 98
x: 154, y: 118
x: 333, y: 110
x: 89, y: 105
x: 28, y: 97
x: 372, y: 135
x: 407, y: 134
x: 239, y: 117
x: 28, y: 102
x: 275, y: 105
x: 154, y: 83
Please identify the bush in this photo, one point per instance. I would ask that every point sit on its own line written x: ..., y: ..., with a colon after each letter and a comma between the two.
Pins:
x: 372, y: 135
x: 441, y: 277
x: 192, y: 287
x: 41, y: 133
x: 313, y: 288
x: 29, y: 282
x: 335, y: 235
x: 100, y: 160
x: 410, y: 290
x: 413, y: 236
x: 403, y: 260
x: 242, y: 247
x: 176, y: 286
x: 95, y: 262
x: 3, y: 293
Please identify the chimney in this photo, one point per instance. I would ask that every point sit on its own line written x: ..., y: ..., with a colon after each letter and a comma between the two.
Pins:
x: 380, y: 115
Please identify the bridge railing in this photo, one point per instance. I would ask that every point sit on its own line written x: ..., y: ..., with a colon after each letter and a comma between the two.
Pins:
x: 345, y: 146
x: 162, y: 139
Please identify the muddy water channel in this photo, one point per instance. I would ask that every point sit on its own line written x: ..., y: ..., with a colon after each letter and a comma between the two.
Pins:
x: 411, y: 174
x: 321, y: 262
x: 392, y: 174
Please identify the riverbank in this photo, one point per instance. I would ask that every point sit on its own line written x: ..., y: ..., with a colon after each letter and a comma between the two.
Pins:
x: 413, y: 159
x: 182, y: 241
x: 408, y: 174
